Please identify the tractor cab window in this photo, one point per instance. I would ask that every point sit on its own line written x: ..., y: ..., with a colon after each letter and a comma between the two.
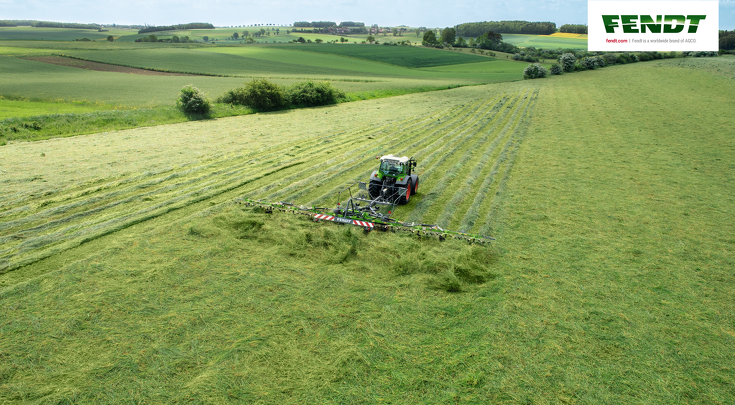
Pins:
x: 391, y: 167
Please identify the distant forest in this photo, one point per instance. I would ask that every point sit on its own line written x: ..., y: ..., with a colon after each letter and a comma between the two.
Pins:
x: 47, y: 24
x: 573, y: 28
x: 190, y: 26
x: 727, y: 40
x: 506, y: 27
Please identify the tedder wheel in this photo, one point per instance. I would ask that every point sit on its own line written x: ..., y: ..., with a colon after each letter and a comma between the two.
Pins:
x: 374, y: 189
x: 407, y: 197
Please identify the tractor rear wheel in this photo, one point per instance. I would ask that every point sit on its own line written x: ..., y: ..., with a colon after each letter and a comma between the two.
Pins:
x: 374, y: 189
x: 415, y: 186
x: 404, y: 199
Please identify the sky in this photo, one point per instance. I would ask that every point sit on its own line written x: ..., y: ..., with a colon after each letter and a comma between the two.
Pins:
x: 413, y: 13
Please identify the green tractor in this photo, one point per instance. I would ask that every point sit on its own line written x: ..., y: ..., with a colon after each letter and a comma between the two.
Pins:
x: 394, y: 181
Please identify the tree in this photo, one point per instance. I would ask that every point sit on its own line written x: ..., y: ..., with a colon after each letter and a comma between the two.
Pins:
x: 301, y: 39
x: 461, y: 43
x: 111, y: 38
x: 278, y: 31
x: 429, y: 38
x: 394, y: 31
x: 370, y: 39
x: 245, y: 34
x: 489, y: 40
x: 205, y: 38
x: 175, y: 39
x: 342, y: 40
x: 235, y: 35
x: 448, y: 36
x: 318, y: 41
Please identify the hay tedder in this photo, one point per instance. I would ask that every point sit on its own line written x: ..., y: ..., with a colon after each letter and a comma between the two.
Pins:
x: 373, y: 203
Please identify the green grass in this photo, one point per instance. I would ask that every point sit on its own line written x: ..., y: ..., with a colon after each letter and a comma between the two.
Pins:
x: 25, y: 79
x: 24, y: 108
x: 406, y: 56
x: 611, y: 280
x: 38, y: 120
x: 57, y: 34
x: 212, y: 63
x: 545, y: 41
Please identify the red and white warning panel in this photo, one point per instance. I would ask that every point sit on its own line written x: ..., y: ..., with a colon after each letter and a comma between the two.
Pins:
x: 348, y: 221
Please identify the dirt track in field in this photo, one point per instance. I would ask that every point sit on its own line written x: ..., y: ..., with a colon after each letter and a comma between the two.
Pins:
x: 100, y: 67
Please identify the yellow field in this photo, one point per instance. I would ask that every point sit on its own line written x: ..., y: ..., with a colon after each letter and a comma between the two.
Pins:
x: 566, y: 35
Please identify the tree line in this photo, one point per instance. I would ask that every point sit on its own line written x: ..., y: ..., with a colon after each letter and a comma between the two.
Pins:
x: 573, y: 28
x: 727, y: 40
x: 506, y: 27
x: 190, y: 26
x: 315, y: 24
x: 51, y: 24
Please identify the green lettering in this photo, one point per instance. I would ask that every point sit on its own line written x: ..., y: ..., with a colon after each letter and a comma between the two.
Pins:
x: 648, y: 23
x: 610, y: 23
x: 629, y: 23
x: 674, y: 28
x: 694, y: 22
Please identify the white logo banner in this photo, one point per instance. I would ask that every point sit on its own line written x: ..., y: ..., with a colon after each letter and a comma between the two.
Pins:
x: 663, y: 26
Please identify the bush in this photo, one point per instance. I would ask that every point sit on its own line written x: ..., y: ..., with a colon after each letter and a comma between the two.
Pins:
x: 610, y: 59
x: 312, y: 94
x: 588, y: 63
x: 534, y: 71
x: 567, y: 62
x: 556, y: 69
x: 260, y: 94
x: 193, y: 101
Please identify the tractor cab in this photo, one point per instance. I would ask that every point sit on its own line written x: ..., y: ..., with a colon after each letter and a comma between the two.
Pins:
x: 394, y: 166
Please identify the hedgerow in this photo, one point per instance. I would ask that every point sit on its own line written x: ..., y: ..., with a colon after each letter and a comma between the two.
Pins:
x: 264, y: 95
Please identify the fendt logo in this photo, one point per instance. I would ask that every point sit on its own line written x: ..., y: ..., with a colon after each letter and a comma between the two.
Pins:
x: 635, y: 24
x: 653, y: 26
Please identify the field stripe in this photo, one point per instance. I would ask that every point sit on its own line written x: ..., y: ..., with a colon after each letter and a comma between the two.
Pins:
x: 436, y: 185
x: 463, y: 192
x: 486, y: 228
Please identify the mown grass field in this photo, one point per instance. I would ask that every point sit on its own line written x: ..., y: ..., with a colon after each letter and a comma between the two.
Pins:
x: 611, y: 280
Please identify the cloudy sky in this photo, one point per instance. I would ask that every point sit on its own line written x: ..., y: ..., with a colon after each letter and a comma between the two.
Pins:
x: 429, y: 13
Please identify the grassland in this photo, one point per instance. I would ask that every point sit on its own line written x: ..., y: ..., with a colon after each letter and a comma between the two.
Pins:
x: 58, y: 34
x: 611, y: 280
x: 412, y: 57
x: 23, y: 108
x: 41, y: 91
x: 546, y: 41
